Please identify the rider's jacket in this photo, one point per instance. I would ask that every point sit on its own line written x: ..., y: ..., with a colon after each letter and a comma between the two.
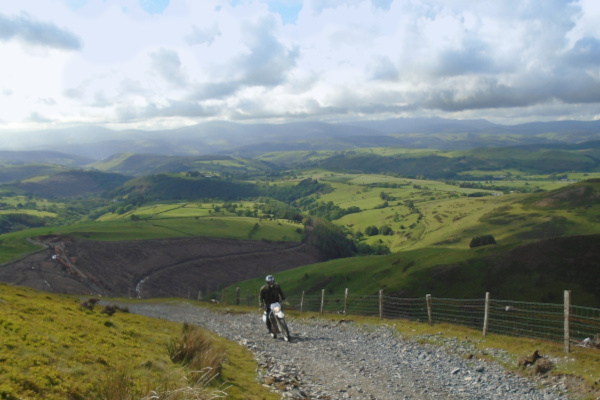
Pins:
x: 270, y: 294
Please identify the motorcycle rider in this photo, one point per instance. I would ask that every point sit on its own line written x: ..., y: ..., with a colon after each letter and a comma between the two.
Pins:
x: 270, y: 293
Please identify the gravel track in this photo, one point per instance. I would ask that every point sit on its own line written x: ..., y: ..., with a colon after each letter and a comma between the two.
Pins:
x: 330, y: 360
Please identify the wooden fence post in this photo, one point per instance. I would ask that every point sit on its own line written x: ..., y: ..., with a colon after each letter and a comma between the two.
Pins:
x: 237, y: 296
x: 345, y: 300
x: 199, y: 295
x: 322, y: 299
x: 302, y: 301
x: 380, y: 303
x: 567, y: 318
x: 428, y: 301
x: 486, y: 313
x: 248, y: 297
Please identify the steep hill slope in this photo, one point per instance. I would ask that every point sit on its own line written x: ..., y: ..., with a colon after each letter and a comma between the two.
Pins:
x: 151, y: 268
x: 537, y: 272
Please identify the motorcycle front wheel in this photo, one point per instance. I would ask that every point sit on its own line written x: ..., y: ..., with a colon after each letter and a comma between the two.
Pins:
x: 274, y: 324
x: 283, y: 328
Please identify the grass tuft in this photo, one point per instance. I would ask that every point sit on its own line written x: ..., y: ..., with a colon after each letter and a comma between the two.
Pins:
x: 194, y: 349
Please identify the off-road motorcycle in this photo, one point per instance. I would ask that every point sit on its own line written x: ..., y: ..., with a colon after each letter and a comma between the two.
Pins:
x: 278, y: 324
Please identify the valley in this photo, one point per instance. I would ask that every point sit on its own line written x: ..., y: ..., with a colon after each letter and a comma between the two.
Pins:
x: 521, y: 223
x: 366, y: 218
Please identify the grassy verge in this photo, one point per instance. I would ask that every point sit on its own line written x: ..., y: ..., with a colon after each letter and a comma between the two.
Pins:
x: 56, y: 347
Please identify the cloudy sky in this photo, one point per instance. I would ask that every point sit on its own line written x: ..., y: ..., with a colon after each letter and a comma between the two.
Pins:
x: 165, y: 63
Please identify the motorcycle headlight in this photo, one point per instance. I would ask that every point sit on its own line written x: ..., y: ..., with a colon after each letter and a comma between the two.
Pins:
x: 276, y: 309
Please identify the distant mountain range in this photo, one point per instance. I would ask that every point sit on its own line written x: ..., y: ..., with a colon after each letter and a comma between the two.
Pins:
x: 250, y: 140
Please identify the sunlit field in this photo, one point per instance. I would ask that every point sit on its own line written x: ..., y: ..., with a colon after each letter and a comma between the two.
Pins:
x: 441, y: 214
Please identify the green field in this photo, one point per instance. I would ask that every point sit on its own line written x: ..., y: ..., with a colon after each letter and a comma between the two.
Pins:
x: 440, y: 242
x: 43, y: 214
x: 443, y: 214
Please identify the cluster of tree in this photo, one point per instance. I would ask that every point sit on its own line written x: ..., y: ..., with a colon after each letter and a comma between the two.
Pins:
x: 334, y: 242
x: 479, y: 194
x: 278, y: 209
x: 490, y: 186
x: 484, y: 240
x: 330, y: 210
x: 330, y: 239
x: 28, y: 205
x: 386, y: 185
x: 383, y: 230
x: 15, y: 222
x: 379, y: 249
x: 264, y: 208
x: 386, y: 196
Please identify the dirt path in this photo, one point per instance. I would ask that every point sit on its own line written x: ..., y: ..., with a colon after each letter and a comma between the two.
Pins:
x: 328, y: 360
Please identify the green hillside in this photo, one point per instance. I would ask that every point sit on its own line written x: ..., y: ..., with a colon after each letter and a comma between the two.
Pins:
x: 546, y: 243
x: 71, y: 183
x: 60, y: 347
x: 453, y: 164
x: 427, y: 224
x: 536, y: 272
x: 149, y: 164
x: 192, y: 186
x: 16, y: 173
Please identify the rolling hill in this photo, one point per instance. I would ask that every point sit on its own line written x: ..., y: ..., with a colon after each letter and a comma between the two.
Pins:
x: 249, y: 140
x: 536, y: 159
x: 150, y: 164
x: 549, y: 244
x: 71, y: 183
x: 42, y: 157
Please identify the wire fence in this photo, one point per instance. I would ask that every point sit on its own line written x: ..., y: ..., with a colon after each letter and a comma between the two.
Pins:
x: 553, y: 322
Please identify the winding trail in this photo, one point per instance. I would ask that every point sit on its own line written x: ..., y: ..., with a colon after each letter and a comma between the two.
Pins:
x: 328, y: 360
x: 206, y: 260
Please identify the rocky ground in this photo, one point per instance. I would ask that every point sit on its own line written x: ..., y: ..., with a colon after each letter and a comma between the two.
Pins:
x: 343, y: 360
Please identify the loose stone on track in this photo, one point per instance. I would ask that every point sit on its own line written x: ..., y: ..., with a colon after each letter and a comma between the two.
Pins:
x: 326, y: 360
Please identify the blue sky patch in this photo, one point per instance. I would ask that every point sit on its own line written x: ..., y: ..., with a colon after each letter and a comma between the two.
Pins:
x: 288, y: 10
x: 154, y: 6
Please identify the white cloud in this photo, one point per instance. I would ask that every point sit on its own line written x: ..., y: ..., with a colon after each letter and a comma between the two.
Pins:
x: 117, y: 61
x: 37, y: 33
x: 202, y: 35
x: 168, y: 65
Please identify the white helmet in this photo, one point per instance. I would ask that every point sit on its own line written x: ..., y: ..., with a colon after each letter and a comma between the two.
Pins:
x: 270, y: 279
